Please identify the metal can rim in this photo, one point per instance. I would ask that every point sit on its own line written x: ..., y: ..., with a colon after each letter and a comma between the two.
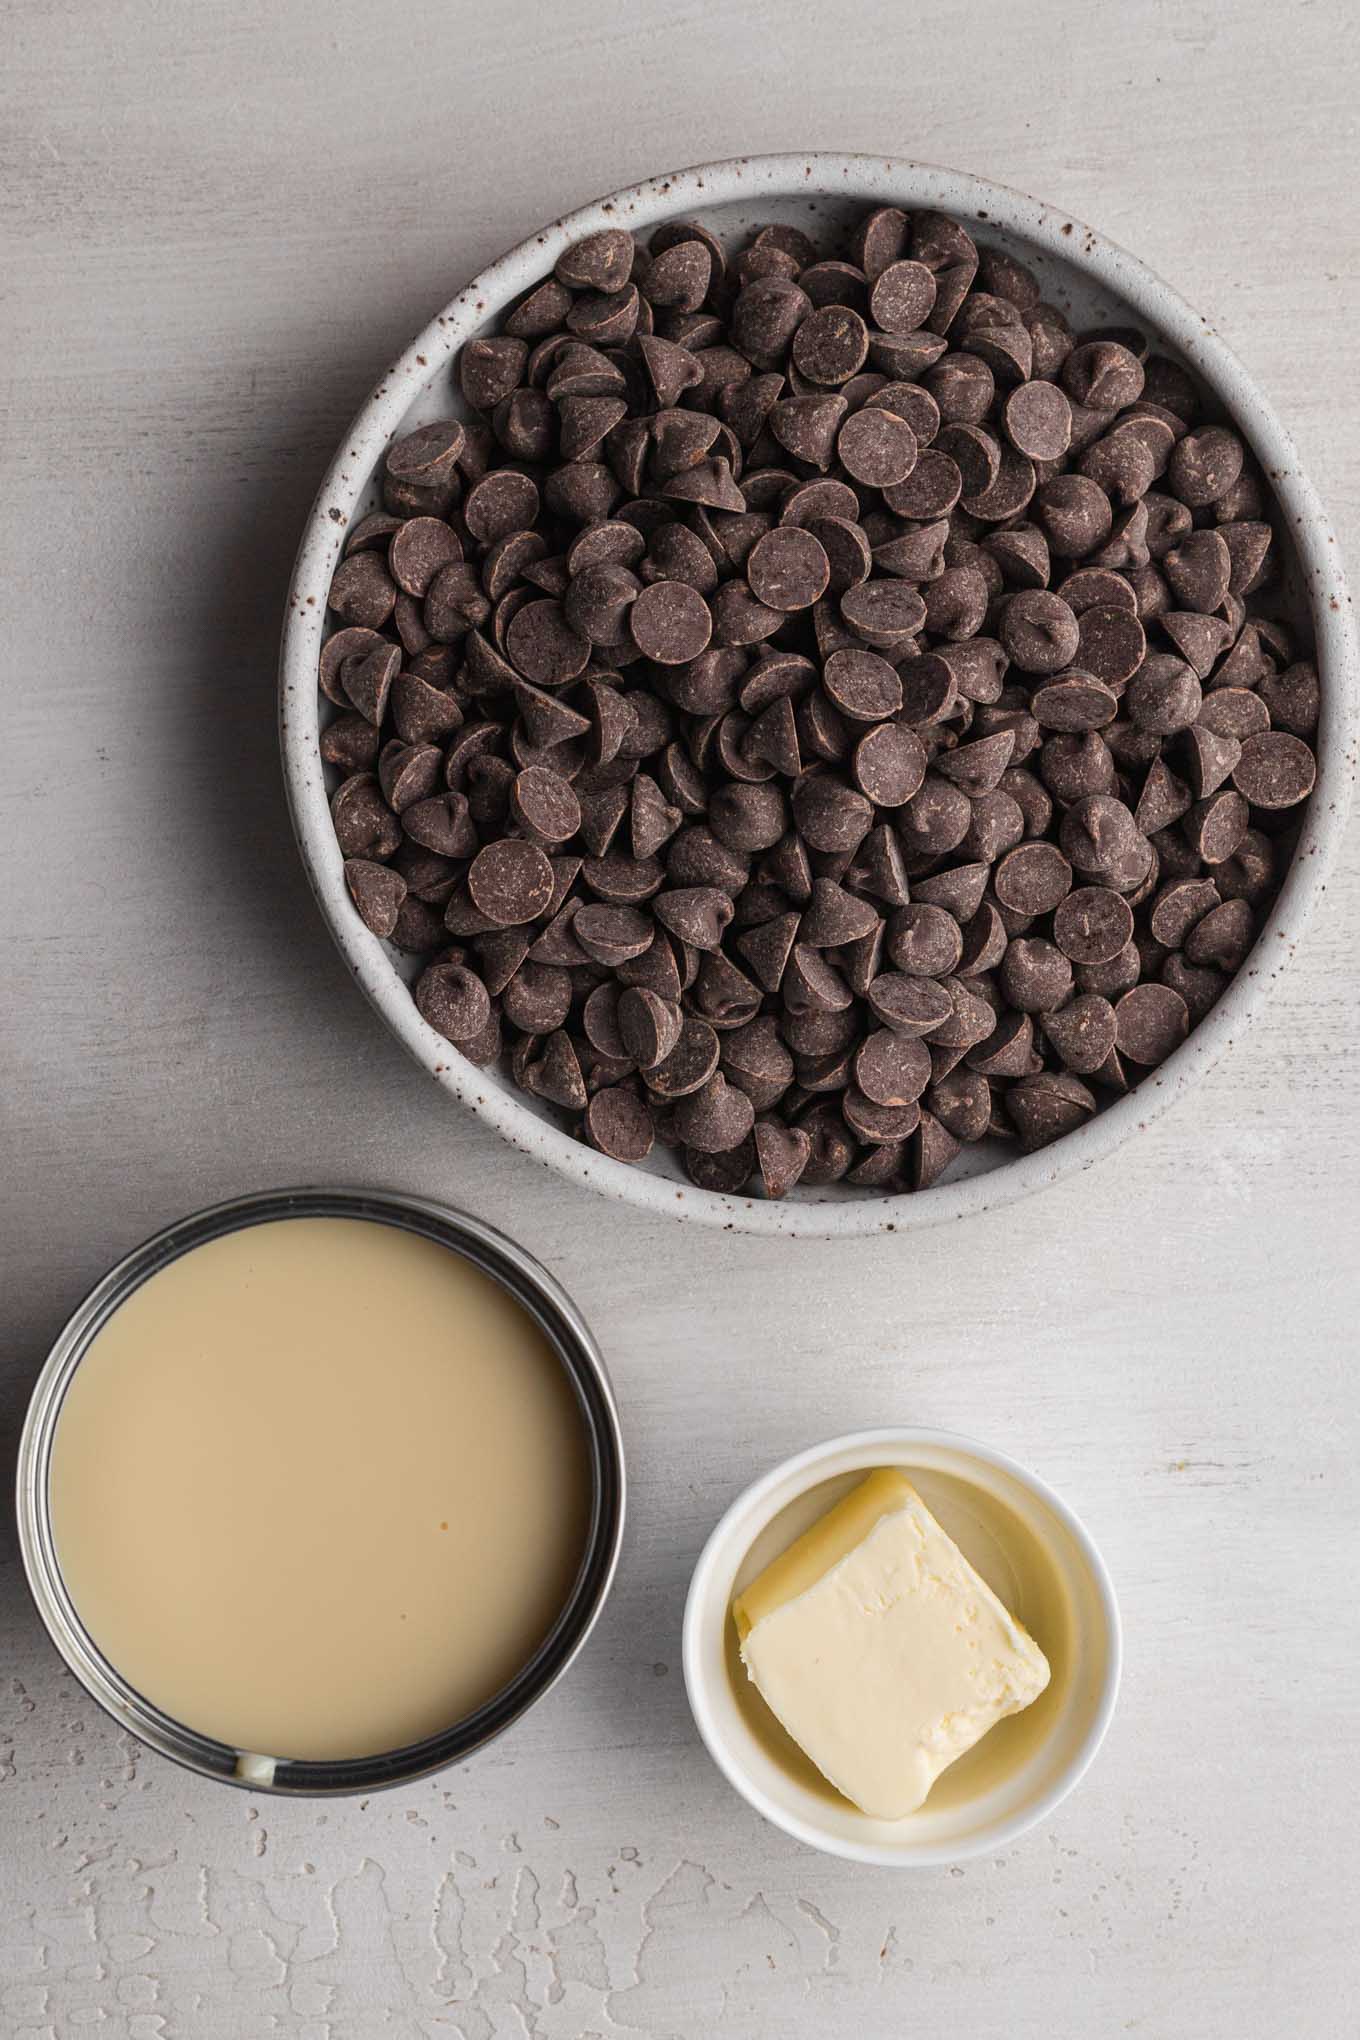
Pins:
x: 556, y: 1316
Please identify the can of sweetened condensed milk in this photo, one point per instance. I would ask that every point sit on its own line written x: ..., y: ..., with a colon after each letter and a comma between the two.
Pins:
x: 320, y: 1490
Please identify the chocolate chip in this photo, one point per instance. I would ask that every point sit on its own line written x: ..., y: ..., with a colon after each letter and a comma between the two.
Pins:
x: 429, y: 452
x: 902, y: 296
x: 767, y: 948
x: 937, y: 818
x: 364, y: 824
x: 925, y: 941
x: 1114, y: 975
x: 892, y: 1069
x: 610, y: 934
x: 1098, y: 834
x: 746, y: 818
x: 1038, y: 420
x: 1075, y: 515
x: 1033, y: 878
x: 1275, y: 770
x: 782, y: 1155
x: 377, y: 892
x: 830, y: 815
x: 541, y: 645
x: 1234, y: 712
x: 1035, y: 975
x: 862, y: 685
x: 1111, y: 644
x: 454, y: 1001
x: 336, y: 654
x: 679, y: 276
x: 724, y: 994
x: 716, y: 1117
x: 408, y: 772
x: 697, y: 914
x: 537, y: 998
x: 1039, y: 631
x: 1178, y: 905
x: 649, y: 1026
x: 554, y: 1072
x: 889, y: 763
x: 907, y: 1004
x: 350, y: 743
x: 739, y: 618
x: 1250, y: 872
x: 619, y: 1123
x: 602, y: 261
x: 996, y: 824
x: 544, y: 805
x: 510, y: 882
x: 1212, y: 758
x: 1205, y: 465
x: 724, y: 1173
x: 1163, y: 696
x: 1199, y: 570
x: 1083, y: 1032
x: 1216, y: 826
x: 788, y: 569
x: 931, y: 490
x: 830, y: 345
x: 1150, y: 1021
x: 879, y: 1125
x: 1044, y: 1108
x: 455, y: 604
x: 490, y: 368
x: 362, y: 592
x: 806, y: 427
x: 1200, y: 987
x: 877, y: 448
x: 420, y: 548
x: 884, y: 612
x: 1073, y: 764
x: 670, y: 622
x: 1293, y: 699
x: 1223, y: 936
x: 367, y: 678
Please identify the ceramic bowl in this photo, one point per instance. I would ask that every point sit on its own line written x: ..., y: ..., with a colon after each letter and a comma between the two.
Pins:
x: 1095, y: 282
x: 1032, y: 1552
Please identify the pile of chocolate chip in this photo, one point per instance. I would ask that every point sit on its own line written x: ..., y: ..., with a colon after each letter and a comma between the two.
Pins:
x: 815, y: 712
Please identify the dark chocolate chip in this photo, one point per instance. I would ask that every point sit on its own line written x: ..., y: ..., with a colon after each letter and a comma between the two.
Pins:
x: 619, y: 1123
x: 454, y: 1001
x: 1275, y: 770
x: 510, y: 882
x: 1150, y: 1021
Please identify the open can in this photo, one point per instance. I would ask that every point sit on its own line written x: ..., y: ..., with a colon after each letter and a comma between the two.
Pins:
x: 567, y: 1333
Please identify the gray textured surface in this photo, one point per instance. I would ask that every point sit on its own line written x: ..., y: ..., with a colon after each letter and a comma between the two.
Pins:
x: 219, y: 223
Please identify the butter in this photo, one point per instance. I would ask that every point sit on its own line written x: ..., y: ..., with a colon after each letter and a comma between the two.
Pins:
x: 881, y: 1650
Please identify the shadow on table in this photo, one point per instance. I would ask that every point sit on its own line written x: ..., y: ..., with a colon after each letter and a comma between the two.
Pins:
x: 227, y: 727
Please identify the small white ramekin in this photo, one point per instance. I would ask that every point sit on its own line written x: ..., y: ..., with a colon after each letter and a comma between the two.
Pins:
x: 1034, y: 1553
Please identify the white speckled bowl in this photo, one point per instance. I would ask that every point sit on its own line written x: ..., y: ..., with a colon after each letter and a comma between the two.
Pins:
x: 1096, y: 281
x: 1033, y: 1553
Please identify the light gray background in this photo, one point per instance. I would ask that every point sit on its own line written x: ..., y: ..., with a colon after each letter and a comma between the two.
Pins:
x: 218, y: 223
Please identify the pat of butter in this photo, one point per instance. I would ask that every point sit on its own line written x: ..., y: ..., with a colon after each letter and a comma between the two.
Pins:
x: 881, y: 1650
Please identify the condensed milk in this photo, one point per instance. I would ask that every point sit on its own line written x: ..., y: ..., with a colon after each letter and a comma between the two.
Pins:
x: 320, y: 1487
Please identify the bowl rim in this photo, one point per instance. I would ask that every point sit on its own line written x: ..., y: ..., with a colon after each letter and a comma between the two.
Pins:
x: 748, y: 1508
x: 870, y: 178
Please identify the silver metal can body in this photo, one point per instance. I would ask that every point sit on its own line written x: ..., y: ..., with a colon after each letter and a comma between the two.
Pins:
x: 556, y: 1316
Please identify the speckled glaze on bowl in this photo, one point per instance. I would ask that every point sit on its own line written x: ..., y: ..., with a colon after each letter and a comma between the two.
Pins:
x: 1089, y: 277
